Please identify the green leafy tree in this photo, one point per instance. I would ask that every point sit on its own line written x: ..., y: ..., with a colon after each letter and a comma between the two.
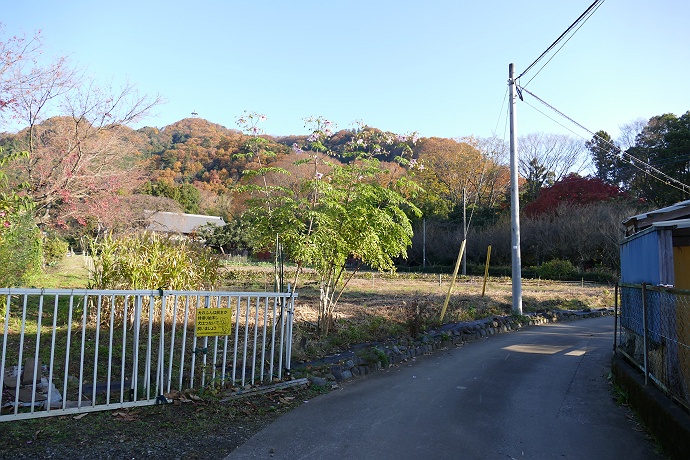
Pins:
x: 339, y: 215
x: 663, y: 174
x: 185, y: 194
x: 537, y: 177
x: 606, y: 156
x: 20, y: 238
x: 189, y: 198
x: 233, y: 237
x: 21, y: 250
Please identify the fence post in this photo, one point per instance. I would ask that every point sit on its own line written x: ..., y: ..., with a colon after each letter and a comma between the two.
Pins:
x: 644, y: 334
x: 615, y: 319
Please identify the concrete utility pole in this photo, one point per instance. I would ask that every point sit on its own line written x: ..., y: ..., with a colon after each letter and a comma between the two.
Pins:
x: 464, y: 229
x: 424, y: 242
x: 514, y: 198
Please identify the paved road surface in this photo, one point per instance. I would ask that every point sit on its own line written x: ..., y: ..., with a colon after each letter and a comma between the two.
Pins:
x: 538, y: 393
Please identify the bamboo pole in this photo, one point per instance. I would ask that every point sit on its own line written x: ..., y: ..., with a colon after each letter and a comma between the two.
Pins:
x: 486, y: 269
x: 452, y: 280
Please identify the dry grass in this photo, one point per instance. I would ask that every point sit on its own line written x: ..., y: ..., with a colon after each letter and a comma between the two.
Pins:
x: 375, y: 293
x: 376, y: 306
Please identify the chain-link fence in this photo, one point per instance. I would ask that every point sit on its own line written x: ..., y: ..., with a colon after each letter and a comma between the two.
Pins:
x: 655, y: 335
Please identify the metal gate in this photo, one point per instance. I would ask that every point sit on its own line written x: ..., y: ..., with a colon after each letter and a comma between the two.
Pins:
x: 67, y: 351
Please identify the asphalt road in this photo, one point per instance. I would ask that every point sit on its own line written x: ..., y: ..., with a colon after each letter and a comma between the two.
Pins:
x: 538, y: 393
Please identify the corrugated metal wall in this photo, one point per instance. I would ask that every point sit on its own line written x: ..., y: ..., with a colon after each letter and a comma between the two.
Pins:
x: 648, y: 258
x: 640, y: 259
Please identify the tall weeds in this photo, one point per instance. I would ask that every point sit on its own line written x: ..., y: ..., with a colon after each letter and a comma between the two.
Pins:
x: 152, y: 261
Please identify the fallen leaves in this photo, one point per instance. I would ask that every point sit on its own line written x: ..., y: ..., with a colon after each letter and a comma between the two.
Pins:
x: 180, y: 397
x: 126, y: 415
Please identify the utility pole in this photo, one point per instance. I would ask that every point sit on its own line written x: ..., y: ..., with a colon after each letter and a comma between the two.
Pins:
x: 464, y: 229
x: 514, y: 198
x: 424, y: 242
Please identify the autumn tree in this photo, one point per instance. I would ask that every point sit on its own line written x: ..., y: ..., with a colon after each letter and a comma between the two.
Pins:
x: 80, y: 155
x: 573, y: 189
x: 20, y: 239
x: 454, y: 171
x: 493, y: 183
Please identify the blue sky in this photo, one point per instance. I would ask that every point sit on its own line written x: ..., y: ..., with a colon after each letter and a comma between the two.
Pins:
x: 437, y: 67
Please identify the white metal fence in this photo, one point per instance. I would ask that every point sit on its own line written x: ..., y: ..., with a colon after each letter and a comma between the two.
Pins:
x: 67, y: 351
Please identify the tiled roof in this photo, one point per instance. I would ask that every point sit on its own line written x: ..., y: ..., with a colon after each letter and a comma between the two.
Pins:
x: 176, y: 222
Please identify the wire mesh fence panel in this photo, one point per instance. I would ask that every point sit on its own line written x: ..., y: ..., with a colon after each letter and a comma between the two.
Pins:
x: 67, y: 351
x: 632, y: 324
x: 655, y: 335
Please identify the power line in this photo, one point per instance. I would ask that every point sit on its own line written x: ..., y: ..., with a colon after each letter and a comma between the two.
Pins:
x: 642, y: 166
x: 637, y: 163
x: 583, y: 17
x: 561, y: 47
x: 500, y: 113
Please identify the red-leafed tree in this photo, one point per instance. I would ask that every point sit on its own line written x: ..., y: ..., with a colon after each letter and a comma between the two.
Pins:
x: 575, y: 190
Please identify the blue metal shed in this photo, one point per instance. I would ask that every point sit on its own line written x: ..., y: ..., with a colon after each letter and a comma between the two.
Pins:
x: 652, y: 241
x: 647, y: 257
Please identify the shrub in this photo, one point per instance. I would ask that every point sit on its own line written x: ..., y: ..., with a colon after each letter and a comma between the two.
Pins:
x: 21, y: 251
x: 151, y: 261
x: 54, y: 249
x: 373, y: 355
x: 556, y: 269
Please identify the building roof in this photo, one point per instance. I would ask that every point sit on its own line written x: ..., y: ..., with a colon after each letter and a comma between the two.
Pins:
x: 673, y: 213
x: 680, y: 223
x: 177, y: 222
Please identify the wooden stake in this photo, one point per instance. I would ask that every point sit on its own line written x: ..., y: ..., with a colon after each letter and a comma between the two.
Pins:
x: 486, y: 269
x: 452, y: 280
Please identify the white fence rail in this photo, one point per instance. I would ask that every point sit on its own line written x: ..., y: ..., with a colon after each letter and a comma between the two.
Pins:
x: 69, y: 351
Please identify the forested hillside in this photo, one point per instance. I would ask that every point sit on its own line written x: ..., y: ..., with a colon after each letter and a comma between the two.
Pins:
x: 197, y: 166
x: 77, y: 169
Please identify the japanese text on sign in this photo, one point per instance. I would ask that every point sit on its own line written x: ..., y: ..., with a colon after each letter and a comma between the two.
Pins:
x: 213, y: 321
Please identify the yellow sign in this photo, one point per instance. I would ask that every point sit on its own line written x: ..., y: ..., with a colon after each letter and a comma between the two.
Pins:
x: 213, y: 321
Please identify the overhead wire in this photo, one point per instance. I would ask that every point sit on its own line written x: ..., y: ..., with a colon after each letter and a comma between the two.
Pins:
x: 500, y: 113
x: 637, y: 163
x: 553, y: 45
x: 564, y: 43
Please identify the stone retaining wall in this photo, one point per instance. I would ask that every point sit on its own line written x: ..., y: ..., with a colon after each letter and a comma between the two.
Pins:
x: 363, y: 360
